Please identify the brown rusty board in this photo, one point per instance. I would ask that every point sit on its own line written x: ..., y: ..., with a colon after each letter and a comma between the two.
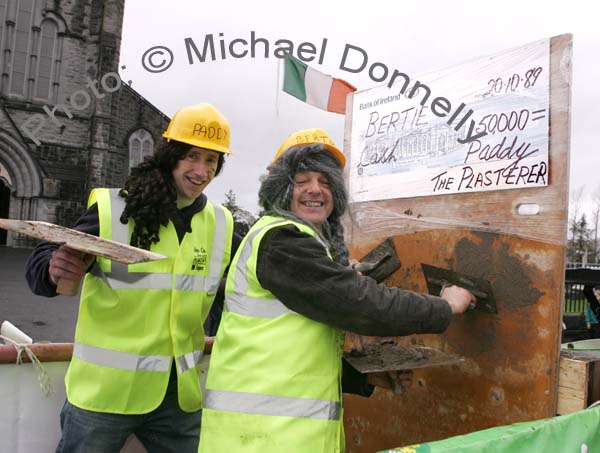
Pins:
x: 510, y: 367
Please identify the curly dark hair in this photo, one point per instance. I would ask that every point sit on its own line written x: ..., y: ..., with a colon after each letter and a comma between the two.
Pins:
x: 150, y: 193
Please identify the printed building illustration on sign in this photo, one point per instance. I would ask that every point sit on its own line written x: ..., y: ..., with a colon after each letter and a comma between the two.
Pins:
x: 479, y: 126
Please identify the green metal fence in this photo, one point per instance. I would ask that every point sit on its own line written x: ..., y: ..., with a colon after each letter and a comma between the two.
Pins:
x: 576, y: 276
x: 575, y: 301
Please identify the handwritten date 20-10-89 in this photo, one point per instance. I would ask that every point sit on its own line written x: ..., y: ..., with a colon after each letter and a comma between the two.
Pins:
x: 500, y: 85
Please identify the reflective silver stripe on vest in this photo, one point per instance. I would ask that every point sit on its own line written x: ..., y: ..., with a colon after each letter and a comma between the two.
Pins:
x: 237, y: 302
x: 121, y: 360
x: 218, y: 250
x: 190, y: 282
x: 188, y: 361
x: 285, y: 406
x: 259, y: 308
x: 119, y: 231
x: 241, y: 279
x: 322, y: 242
x: 133, y: 280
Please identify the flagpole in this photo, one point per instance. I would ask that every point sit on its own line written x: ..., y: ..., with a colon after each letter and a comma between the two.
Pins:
x: 277, y: 88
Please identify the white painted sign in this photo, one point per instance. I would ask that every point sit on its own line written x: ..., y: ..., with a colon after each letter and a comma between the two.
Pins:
x: 475, y: 127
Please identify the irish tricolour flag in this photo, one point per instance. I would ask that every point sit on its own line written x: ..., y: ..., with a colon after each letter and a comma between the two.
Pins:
x: 314, y: 87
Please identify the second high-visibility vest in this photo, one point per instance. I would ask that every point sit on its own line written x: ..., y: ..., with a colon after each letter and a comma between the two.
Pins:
x: 136, y: 320
x: 274, y: 382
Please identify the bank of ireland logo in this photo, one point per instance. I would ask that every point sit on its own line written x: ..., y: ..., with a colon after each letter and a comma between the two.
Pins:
x: 199, y: 260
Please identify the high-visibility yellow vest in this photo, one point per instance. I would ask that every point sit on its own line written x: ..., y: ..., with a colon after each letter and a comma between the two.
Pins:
x: 274, y: 381
x: 136, y: 320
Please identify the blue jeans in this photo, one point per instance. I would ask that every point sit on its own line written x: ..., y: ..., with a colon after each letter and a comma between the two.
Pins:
x: 165, y: 429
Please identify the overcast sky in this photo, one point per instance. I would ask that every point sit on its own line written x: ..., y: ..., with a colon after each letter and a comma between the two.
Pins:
x: 413, y: 36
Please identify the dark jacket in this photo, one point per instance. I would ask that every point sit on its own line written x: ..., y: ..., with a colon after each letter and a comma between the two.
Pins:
x: 296, y: 269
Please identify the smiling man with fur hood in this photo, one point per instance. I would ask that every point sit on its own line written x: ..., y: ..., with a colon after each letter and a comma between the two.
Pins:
x: 276, y: 374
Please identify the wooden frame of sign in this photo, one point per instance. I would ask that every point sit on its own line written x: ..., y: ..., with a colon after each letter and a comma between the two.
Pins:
x: 511, y: 364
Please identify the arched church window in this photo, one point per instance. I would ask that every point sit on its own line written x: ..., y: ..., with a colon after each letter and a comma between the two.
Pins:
x: 46, y: 59
x: 20, y: 46
x: 32, y: 50
x: 141, y: 145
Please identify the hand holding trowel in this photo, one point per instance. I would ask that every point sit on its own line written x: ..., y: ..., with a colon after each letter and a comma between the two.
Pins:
x: 387, y: 363
x: 438, y: 278
x: 65, y: 262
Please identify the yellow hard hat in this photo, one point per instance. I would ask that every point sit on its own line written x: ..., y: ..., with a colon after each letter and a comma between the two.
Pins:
x: 200, y: 125
x: 311, y: 137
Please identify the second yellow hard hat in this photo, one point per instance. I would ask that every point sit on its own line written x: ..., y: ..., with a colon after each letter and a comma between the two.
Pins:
x: 311, y: 137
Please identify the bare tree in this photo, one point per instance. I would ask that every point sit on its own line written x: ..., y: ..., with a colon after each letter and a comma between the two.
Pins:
x: 231, y: 202
x: 242, y: 219
x: 580, y: 243
x: 595, y: 217
x: 575, y: 207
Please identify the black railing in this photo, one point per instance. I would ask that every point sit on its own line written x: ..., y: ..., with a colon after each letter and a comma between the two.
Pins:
x: 573, y: 265
x: 575, y: 301
x: 575, y: 279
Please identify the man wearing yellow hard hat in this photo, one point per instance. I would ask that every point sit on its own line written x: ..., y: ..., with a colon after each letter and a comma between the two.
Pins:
x: 276, y: 373
x: 139, y: 338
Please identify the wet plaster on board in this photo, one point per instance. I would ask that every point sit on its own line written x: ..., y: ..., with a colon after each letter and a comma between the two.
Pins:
x: 508, y: 275
x: 476, y: 332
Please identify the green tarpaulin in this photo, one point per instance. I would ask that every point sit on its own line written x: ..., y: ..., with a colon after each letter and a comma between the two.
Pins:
x: 578, y: 432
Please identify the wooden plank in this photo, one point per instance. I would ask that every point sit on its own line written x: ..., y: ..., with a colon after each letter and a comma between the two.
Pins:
x: 594, y: 383
x: 573, y: 374
x: 569, y: 401
x: 83, y: 242
x: 572, y: 385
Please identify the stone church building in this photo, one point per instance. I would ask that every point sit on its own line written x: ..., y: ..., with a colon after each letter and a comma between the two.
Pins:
x: 67, y: 122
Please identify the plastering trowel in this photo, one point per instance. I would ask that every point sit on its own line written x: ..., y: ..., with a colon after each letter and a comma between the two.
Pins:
x: 379, y: 263
x: 437, y: 277
x: 389, y: 356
